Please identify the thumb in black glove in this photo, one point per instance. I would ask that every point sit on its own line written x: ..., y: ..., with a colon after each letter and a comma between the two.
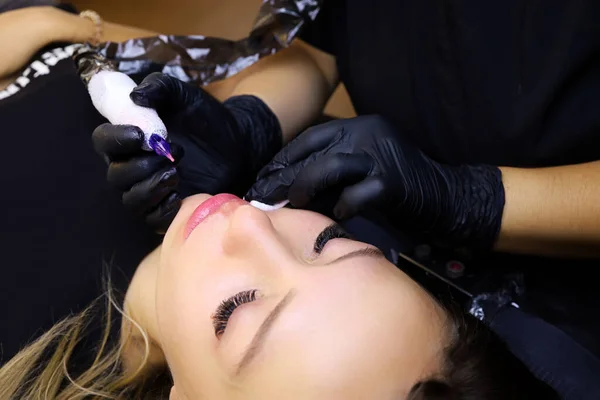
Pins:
x: 378, y: 168
x: 219, y: 147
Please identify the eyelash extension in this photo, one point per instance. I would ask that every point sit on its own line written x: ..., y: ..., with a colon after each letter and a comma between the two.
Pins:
x: 227, y: 307
x: 333, y: 231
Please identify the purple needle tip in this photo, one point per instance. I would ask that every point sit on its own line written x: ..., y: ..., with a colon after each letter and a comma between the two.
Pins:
x: 160, y: 146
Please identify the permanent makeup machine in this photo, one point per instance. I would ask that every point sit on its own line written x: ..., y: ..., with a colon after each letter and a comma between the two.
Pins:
x: 110, y: 89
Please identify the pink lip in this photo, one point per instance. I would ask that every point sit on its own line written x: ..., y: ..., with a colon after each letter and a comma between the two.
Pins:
x: 208, y: 208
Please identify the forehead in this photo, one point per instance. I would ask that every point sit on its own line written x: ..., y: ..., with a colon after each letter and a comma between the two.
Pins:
x: 347, y: 337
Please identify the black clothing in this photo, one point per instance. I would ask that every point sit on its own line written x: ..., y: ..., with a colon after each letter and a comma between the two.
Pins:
x: 507, y: 83
x: 61, y: 222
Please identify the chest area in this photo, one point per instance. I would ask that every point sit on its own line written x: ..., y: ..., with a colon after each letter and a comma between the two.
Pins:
x: 466, y: 77
x: 48, y: 65
x: 407, y: 49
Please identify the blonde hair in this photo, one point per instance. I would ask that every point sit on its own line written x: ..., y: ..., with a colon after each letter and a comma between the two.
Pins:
x: 41, y: 370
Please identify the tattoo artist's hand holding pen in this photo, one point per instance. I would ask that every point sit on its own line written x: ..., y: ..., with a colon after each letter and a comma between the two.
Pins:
x: 375, y: 167
x: 218, y: 147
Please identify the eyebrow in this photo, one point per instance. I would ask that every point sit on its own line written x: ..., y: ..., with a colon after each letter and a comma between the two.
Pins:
x: 373, y: 252
x: 258, y: 341
x: 259, y: 338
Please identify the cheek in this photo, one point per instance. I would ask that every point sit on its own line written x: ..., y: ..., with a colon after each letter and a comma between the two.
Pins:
x: 185, y: 329
x: 182, y: 304
x: 352, y: 349
x: 356, y: 309
x: 330, y: 333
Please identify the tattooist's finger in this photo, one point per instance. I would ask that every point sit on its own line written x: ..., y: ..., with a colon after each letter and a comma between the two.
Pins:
x: 364, y: 195
x: 147, y: 194
x: 124, y: 174
x: 161, y: 217
x: 117, y: 141
x: 328, y: 171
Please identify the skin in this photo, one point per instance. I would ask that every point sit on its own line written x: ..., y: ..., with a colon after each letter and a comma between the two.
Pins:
x: 358, y: 328
x: 48, y: 24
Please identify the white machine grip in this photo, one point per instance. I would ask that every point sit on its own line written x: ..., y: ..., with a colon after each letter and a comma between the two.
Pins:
x: 110, y: 91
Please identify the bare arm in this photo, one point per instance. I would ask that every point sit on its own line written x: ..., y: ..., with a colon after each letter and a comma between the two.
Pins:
x: 295, y: 83
x: 78, y: 30
x: 22, y: 33
x: 552, y: 211
x: 25, y: 31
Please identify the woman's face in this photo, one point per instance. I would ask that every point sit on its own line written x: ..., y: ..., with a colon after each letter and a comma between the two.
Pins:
x: 338, y: 322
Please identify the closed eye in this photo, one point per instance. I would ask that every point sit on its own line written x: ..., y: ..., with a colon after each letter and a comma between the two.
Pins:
x: 333, y: 231
x: 227, y: 307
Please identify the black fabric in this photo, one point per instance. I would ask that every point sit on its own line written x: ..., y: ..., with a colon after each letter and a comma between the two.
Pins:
x: 60, y: 220
x: 508, y: 83
x: 569, y: 368
x: 8, y: 5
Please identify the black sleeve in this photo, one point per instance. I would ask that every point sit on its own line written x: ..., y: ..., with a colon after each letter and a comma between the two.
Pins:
x: 68, y: 7
x: 323, y: 31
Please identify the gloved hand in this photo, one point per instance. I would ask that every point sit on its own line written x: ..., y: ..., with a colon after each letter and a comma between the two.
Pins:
x: 379, y: 168
x: 218, y: 147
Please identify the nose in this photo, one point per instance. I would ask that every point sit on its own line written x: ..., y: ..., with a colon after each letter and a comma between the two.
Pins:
x: 250, y: 231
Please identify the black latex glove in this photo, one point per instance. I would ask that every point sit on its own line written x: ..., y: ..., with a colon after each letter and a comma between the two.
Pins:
x: 380, y: 169
x: 218, y: 147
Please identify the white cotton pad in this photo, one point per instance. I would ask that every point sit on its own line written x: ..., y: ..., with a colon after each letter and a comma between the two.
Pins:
x: 266, y: 207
